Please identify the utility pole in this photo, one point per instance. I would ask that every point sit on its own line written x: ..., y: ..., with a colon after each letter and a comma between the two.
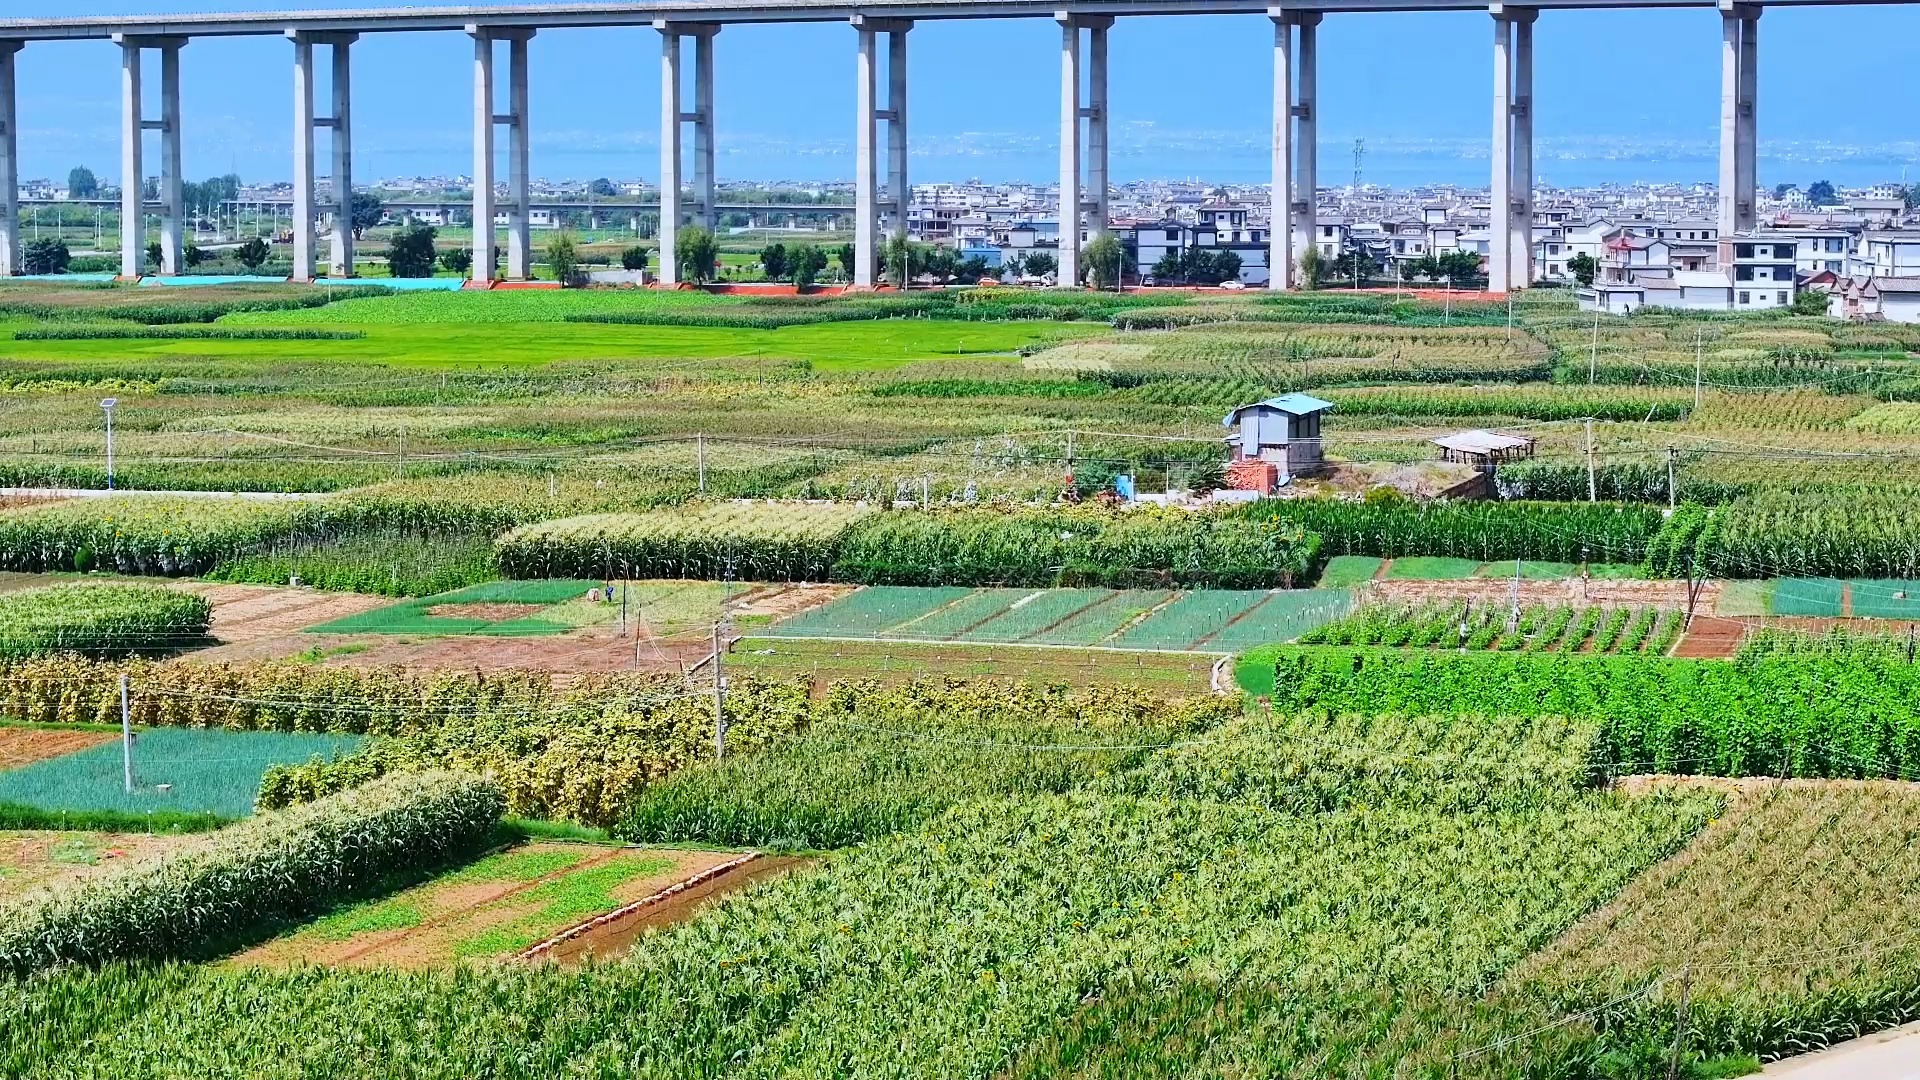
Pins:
x: 1509, y: 313
x: 1593, y: 354
x: 719, y: 700
x: 1513, y: 618
x: 1593, y: 480
x: 1698, y: 363
x: 1672, y: 498
x: 1680, y: 1026
x: 126, y: 734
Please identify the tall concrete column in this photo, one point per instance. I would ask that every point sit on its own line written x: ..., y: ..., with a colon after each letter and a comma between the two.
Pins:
x: 303, y: 170
x: 173, y: 203
x: 1068, y: 256
x: 9, y: 160
x: 669, y: 151
x: 1736, y: 122
x: 1280, y: 257
x: 1306, y: 133
x: 899, y: 191
x: 519, y: 165
x: 703, y: 174
x: 866, y: 181
x: 133, y: 179
x: 1097, y: 140
x: 341, y: 263
x: 483, y: 234
x: 1746, y: 201
x: 1500, y: 208
x: 1522, y: 189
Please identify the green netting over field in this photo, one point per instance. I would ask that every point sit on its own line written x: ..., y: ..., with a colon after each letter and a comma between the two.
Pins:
x: 1886, y: 599
x: 1808, y: 596
x: 868, y: 612
x: 214, y: 772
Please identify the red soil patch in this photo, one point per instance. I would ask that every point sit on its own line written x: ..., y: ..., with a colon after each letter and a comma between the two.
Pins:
x: 1712, y: 638
x: 1660, y: 594
x: 24, y: 745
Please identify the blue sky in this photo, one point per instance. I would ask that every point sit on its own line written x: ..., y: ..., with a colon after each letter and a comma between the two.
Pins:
x: 1620, y: 95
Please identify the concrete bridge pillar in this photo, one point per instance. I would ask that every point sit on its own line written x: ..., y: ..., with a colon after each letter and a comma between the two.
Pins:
x: 9, y: 161
x: 1500, y: 203
x: 306, y: 205
x: 1739, y: 83
x: 865, y: 179
x: 1306, y: 132
x: 1067, y: 256
x: 1520, y: 189
x: 669, y: 152
x: 483, y: 209
x: 133, y: 129
x: 899, y: 191
x: 1280, y: 252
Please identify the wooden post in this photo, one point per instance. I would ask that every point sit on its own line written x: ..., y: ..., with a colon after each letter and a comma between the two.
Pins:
x: 1672, y: 498
x: 719, y: 701
x: 1680, y: 1027
x: 1593, y: 479
x: 126, y: 733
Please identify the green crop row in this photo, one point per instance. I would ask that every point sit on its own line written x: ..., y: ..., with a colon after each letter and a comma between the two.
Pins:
x: 876, y: 761
x: 100, y: 620
x: 1487, y: 531
x: 803, y: 542
x: 253, y: 878
x: 183, y: 333
x: 1839, y: 714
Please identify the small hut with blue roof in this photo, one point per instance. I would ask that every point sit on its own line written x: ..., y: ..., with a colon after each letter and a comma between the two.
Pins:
x: 1282, y: 431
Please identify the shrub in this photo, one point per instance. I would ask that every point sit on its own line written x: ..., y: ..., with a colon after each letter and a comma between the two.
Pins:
x: 254, y: 877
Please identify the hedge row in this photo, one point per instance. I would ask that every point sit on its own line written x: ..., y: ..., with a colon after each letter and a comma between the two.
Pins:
x: 1022, y: 548
x: 250, y: 879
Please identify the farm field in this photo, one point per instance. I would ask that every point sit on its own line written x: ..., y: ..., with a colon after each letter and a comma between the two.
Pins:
x: 202, y: 772
x: 982, y: 778
x: 493, y: 909
x: 1160, y: 620
x: 827, y: 661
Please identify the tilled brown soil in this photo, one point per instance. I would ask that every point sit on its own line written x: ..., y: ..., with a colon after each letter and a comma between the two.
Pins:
x: 25, y: 745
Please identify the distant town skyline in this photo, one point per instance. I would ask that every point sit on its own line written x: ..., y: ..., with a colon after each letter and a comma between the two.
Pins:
x: 1622, y: 96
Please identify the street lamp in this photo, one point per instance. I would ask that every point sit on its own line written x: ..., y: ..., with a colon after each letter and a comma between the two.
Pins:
x: 106, y: 405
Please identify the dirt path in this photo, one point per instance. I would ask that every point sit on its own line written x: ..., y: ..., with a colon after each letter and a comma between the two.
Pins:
x: 1889, y: 1055
x: 1712, y: 638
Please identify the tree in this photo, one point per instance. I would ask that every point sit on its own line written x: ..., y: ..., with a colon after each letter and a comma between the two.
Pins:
x: 1780, y: 190
x: 564, y: 257
x: 366, y: 209
x: 1168, y: 269
x: 634, y: 258
x: 602, y: 188
x: 973, y: 268
x: 82, y: 184
x: 845, y: 256
x: 252, y: 252
x: 1016, y: 264
x: 1040, y: 264
x: 459, y: 260
x: 410, y: 253
x: 902, y: 260
x: 773, y: 260
x: 804, y: 263
x: 1585, y: 268
x: 45, y: 257
x: 153, y: 253
x: 1310, y: 267
x: 1460, y: 266
x: 1810, y: 302
x: 696, y: 252
x: 1821, y: 193
x: 194, y: 255
x: 1911, y: 197
x: 941, y: 262
x: 1106, y: 259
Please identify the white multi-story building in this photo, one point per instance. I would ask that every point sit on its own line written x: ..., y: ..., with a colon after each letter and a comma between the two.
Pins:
x: 1888, y: 253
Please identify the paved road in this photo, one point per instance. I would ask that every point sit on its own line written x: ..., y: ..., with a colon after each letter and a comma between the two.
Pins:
x: 1890, y: 1055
